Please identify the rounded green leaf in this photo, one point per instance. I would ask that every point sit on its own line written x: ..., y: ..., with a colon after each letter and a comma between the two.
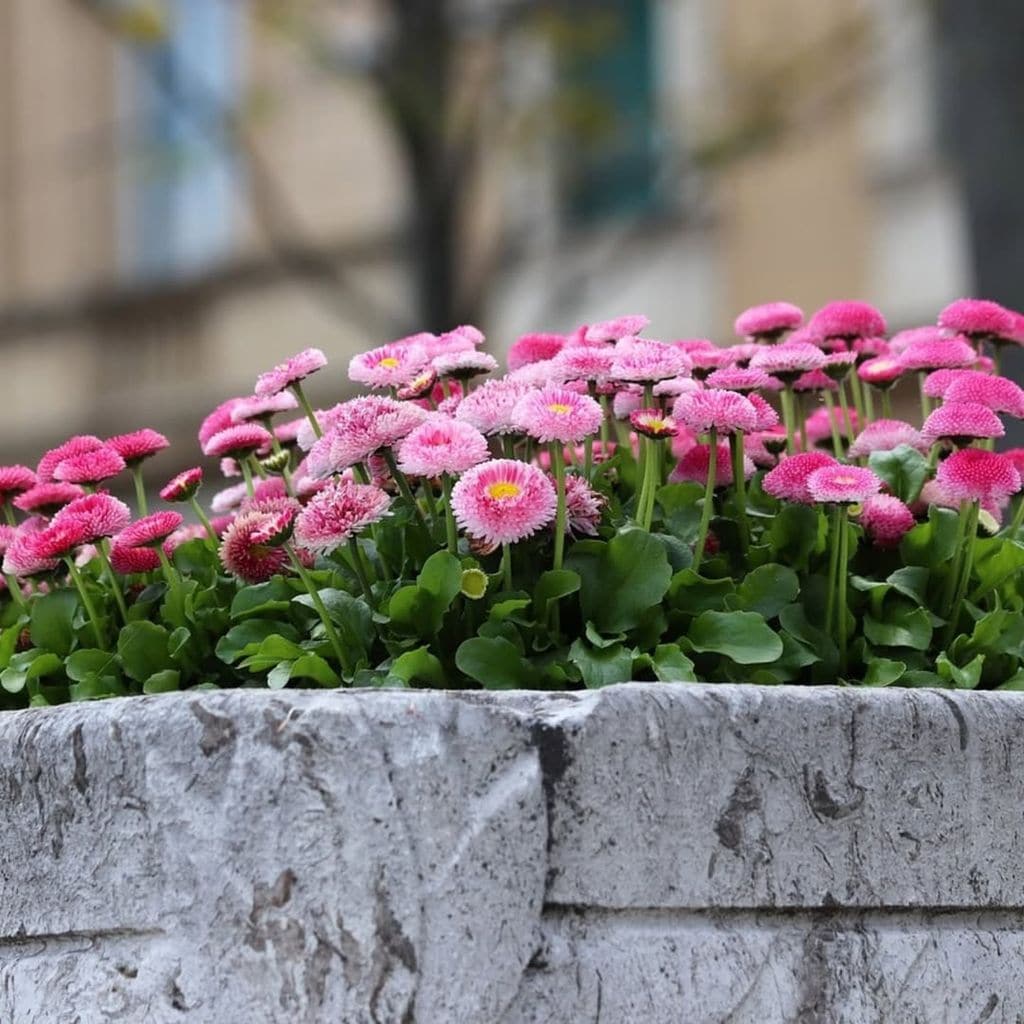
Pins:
x: 743, y: 636
x: 494, y: 662
x: 766, y: 590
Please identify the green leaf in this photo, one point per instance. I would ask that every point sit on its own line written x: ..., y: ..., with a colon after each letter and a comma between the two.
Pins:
x: 51, y: 621
x: 671, y: 665
x: 351, y: 615
x: 912, y: 582
x: 602, y: 666
x: 692, y: 593
x: 312, y: 666
x: 743, y: 636
x: 419, y: 667
x: 766, y: 590
x: 963, y: 678
x: 1015, y: 682
x: 142, y: 650
x: 997, y: 560
x: 441, y: 576
x: 681, y: 510
x: 245, y: 638
x: 794, y: 534
x: 9, y: 644
x: 553, y: 585
x: 795, y: 622
x: 90, y: 661
x: 278, y: 676
x: 26, y: 666
x: 904, y: 469
x: 166, y: 681
x: 494, y: 662
x: 902, y: 627
x: 883, y: 672
x: 272, y: 650
x: 933, y: 543
x: 272, y: 596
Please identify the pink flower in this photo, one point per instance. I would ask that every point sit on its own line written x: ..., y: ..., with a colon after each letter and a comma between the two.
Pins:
x: 674, y: 386
x: 503, y: 501
x: 768, y: 321
x: 996, y: 393
x: 961, y: 423
x: 1016, y: 456
x: 183, y: 486
x: 767, y: 417
x: 556, y: 413
x: 583, y: 507
x: 217, y: 420
x: 229, y: 498
x: 94, y: 516
x: 584, y: 362
x: 489, y: 407
x: 724, y: 411
x: 884, y: 436
x: 886, y: 519
x: 247, y: 557
x: 870, y: 348
x: 902, y: 340
x: 616, y: 329
x: 389, y: 366
x: 89, y: 467
x: 46, y: 498
x: 653, y: 423
x: 973, y: 474
x: 788, y: 480
x: 733, y: 378
x: 977, y: 318
x: 815, y: 380
x: 641, y: 361
x: 237, y: 441
x: 694, y: 465
x: 419, y: 386
x: 937, y: 383
x: 149, y: 531
x: 882, y: 371
x: 847, y: 320
x: 15, y: 480
x: 290, y: 372
x: 937, y: 354
x: 534, y: 348
x: 72, y: 446
x: 441, y: 445
x: 139, y: 445
x: 465, y: 365
x: 340, y: 511
x: 229, y: 468
x: 788, y: 361
x: 261, y: 408
x: 819, y: 424
x: 288, y: 433
x: 843, y: 485
x: 26, y: 555
x: 627, y: 401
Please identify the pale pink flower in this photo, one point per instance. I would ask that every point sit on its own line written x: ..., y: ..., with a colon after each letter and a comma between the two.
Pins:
x: 705, y: 361
x: 503, y: 501
x: 45, y: 498
x: 340, y: 511
x: 843, y: 485
x: 139, y: 445
x: 15, y: 480
x: 94, y: 516
x: 735, y: 378
x: 653, y: 423
x: 847, y: 319
x: 556, y: 413
x: 996, y: 393
x: 937, y: 354
x: 89, y: 467
x: 190, y: 531
x: 724, y: 411
x: 489, y: 407
x: 937, y: 383
x: 626, y: 401
x: 767, y: 417
x: 441, y: 445
x: 973, y: 474
x: 788, y: 480
x: 228, y: 499
x: 465, y: 365
x: 534, y: 375
x: 815, y: 380
x: 292, y: 371
x: 183, y: 486
x: 674, y: 387
x: 261, y: 408
x: 238, y: 441
x: 288, y: 433
x: 534, y: 348
x: 885, y: 435
x: 583, y: 507
x: 961, y: 423
x: 584, y: 362
x: 695, y: 463
x: 977, y: 318
x: 389, y: 366
x: 882, y: 371
x: 642, y: 361
x: 768, y: 321
x: 789, y: 360
x: 615, y: 330
x: 818, y: 425
x: 55, y: 456
x: 886, y: 519
x: 229, y: 468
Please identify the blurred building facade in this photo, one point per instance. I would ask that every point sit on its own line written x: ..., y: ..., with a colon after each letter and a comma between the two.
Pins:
x: 149, y: 267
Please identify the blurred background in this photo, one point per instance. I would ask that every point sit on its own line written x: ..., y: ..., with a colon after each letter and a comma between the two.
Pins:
x: 191, y: 190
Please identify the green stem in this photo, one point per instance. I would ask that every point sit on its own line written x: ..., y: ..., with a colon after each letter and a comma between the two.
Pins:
x: 103, y: 550
x: 361, y: 472
x: 869, y: 406
x: 837, y: 442
x: 307, y: 408
x: 841, y: 574
x: 256, y: 467
x: 558, y: 464
x: 740, y: 484
x: 953, y: 579
x: 140, y: 490
x: 247, y: 473
x: 833, y: 568
x: 801, y: 411
x: 887, y: 403
x: 606, y: 433
x: 845, y: 406
x: 588, y: 444
x: 925, y: 409
x: 9, y: 514
x: 786, y: 397
x: 1018, y: 518
x: 858, y: 399
x: 709, y: 500
x: 403, y: 486
x: 90, y: 608
x: 966, y: 568
x: 506, y: 566
x: 318, y: 604
x: 449, y: 515
x: 170, y: 573
x: 360, y: 570
x: 14, y: 589
x: 211, y: 533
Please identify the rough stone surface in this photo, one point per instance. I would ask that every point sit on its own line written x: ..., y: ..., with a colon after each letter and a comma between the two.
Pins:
x: 645, y: 853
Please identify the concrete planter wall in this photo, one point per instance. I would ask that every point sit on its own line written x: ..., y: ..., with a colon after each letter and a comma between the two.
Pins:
x: 647, y: 853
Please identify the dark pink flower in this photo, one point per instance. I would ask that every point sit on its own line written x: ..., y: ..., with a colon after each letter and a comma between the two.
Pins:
x: 183, y: 486
x: 819, y: 424
x: 768, y: 321
x: 961, y: 423
x: 218, y: 420
x: 902, y: 340
x: 238, y: 441
x: 245, y: 556
x: 128, y: 560
x: 534, y: 348
x: 767, y: 417
x: 815, y: 380
x: 886, y: 519
x: 72, y: 446
x: 937, y: 383
x: 290, y: 372
x: 977, y: 318
x: 340, y: 511
x: 938, y: 354
x: 89, y: 467
x: 26, y: 555
x: 973, y: 474
x: 94, y: 516
x: 847, y: 320
x: 45, y: 498
x: 15, y: 480
x: 788, y: 480
x: 149, y: 531
x: 725, y: 411
x: 996, y: 393
x: 844, y: 485
x: 694, y: 465
x: 139, y: 445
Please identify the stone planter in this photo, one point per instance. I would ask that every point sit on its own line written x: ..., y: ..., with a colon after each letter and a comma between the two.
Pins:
x: 649, y: 853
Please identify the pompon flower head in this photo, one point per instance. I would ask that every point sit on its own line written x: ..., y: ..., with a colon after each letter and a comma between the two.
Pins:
x: 847, y: 320
x: 26, y: 555
x: 973, y: 474
x: 642, y: 361
x: 937, y: 383
x: 15, y: 480
x: 244, y: 555
x: 725, y: 411
x: 419, y: 386
x: 45, y: 498
x: 882, y: 371
x: 583, y: 507
x: 996, y: 393
x: 228, y: 499
x: 340, y: 511
x: 503, y: 501
x: 183, y: 486
x: 788, y: 480
x: 94, y: 516
x: 870, y: 348
x: 557, y: 413
x: 884, y: 436
x: 139, y: 445
x: 769, y: 321
x: 767, y: 417
x: 673, y: 387
x: 238, y: 441
x: 218, y: 420
x: 91, y: 467
x: 55, y: 456
x: 291, y: 371
x: 937, y: 354
x: 149, y: 531
x: 626, y: 401
x: 653, y: 423
x: 961, y: 423
x: 262, y: 408
x: 815, y: 380
x: 694, y: 464
x: 705, y: 361
x: 465, y: 365
x: 534, y: 348
x: 1016, y: 456
x: 733, y: 378
x: 615, y: 330
x: 788, y: 361
x: 489, y: 407
x: 441, y: 445
x: 977, y: 318
x: 818, y: 425
x: 842, y: 485
x: 886, y: 519
x: 389, y: 366
x: 584, y: 362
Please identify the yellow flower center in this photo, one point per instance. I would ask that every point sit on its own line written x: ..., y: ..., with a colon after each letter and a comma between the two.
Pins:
x: 390, y: 362
x: 503, y: 490
x: 559, y: 408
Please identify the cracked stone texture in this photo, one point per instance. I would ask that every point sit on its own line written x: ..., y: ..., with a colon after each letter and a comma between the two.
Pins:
x: 643, y: 853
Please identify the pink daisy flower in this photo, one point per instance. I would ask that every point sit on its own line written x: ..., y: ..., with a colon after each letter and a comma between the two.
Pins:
x: 977, y: 318
x: 94, y: 516
x: 725, y: 411
x: 870, y: 348
x: 290, y: 372
x: 937, y: 383
x: 996, y: 393
x: 1016, y: 456
x: 534, y: 348
x: 884, y: 436
x: 228, y: 499
x: 961, y: 423
x: 247, y: 557
x: 886, y: 519
x: 842, y: 485
x: 556, y: 413
x: 340, y: 511
x: 419, y: 386
x: 882, y: 371
x: 149, y: 531
x: 15, y: 480
x: 818, y: 425
x: 759, y: 453
x: 261, y: 408
x: 788, y: 361
x: 847, y: 320
x: 674, y: 387
x: 288, y: 433
x: 218, y: 420
x: 583, y: 507
x: 89, y: 467
x: 45, y: 498
x: 705, y: 361
x: 734, y: 378
x: 238, y: 441
x: 465, y: 365
x: 769, y: 321
x: 459, y: 337
x: 584, y: 362
x: 902, y: 340
x: 183, y: 486
x: 815, y: 380
x: 938, y: 354
x: 489, y: 407
x: 128, y: 560
x: 190, y: 531
x: 626, y: 401
x: 503, y: 501
x: 767, y: 417
x: 139, y: 445
x: 694, y: 465
x: 641, y: 361
x: 229, y: 468
x: 441, y: 445
x: 973, y: 474
x: 788, y: 480
x: 55, y: 456
x: 615, y: 330
x: 389, y: 366
x: 653, y: 423
x: 26, y: 555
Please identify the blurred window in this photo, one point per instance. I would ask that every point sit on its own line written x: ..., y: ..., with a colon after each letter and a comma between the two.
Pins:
x: 182, y: 171
x: 609, y: 106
